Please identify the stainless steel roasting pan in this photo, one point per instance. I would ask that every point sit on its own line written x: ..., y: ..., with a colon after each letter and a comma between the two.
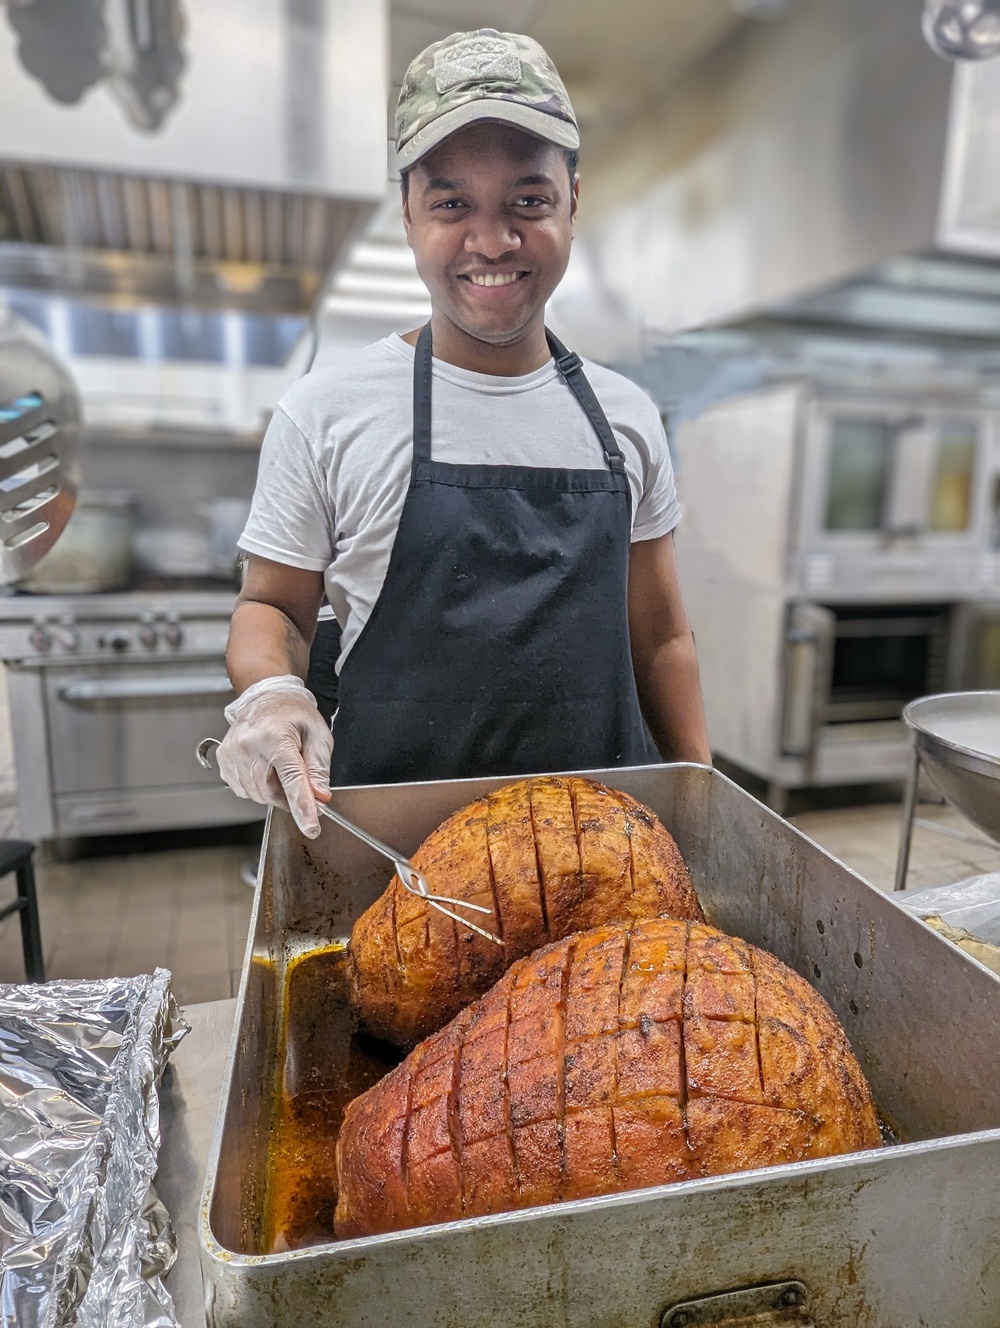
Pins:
x: 893, y: 1238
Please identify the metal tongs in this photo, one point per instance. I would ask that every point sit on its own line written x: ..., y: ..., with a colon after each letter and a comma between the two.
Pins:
x: 411, y: 877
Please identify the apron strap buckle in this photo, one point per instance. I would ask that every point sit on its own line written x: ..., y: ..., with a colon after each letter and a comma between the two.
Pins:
x: 568, y: 363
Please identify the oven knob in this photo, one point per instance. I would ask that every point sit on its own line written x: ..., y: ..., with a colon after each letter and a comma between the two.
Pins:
x: 67, y: 636
x: 41, y: 639
x: 174, y: 633
x: 117, y: 640
x: 148, y: 635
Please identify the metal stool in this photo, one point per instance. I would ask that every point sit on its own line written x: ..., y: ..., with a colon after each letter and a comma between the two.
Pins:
x: 15, y: 856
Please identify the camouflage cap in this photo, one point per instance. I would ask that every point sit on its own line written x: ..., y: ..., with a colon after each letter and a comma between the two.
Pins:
x: 481, y: 75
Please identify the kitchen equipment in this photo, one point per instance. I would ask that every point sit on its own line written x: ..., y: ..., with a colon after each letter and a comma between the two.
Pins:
x: 39, y: 444
x: 956, y: 739
x: 887, y: 1237
x: 109, y: 695
x: 845, y: 538
x: 410, y: 877
x: 94, y: 553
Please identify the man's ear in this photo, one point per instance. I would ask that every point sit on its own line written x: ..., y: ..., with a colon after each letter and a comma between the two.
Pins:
x: 574, y: 199
x: 407, y: 220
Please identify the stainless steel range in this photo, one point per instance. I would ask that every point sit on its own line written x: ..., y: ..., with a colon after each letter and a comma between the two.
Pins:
x: 109, y: 695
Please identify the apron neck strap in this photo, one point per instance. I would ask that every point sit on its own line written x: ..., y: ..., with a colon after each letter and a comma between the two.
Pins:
x: 569, y: 366
x: 422, y: 395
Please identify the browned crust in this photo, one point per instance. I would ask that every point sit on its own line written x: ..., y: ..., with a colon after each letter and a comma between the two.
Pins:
x: 622, y: 1057
x: 547, y: 856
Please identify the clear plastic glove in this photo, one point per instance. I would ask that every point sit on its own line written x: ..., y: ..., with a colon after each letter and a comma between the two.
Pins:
x: 278, y: 749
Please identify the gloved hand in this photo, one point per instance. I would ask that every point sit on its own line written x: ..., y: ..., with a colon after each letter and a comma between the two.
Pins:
x: 278, y: 749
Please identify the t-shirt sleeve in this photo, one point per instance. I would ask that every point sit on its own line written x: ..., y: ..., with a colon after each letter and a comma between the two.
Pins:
x: 291, y: 518
x: 658, y: 511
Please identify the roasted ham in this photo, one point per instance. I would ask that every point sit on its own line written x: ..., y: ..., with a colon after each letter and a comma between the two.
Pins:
x: 626, y: 1056
x: 547, y: 856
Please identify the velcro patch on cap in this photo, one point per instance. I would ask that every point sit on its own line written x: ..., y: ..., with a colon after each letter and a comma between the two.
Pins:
x: 477, y: 60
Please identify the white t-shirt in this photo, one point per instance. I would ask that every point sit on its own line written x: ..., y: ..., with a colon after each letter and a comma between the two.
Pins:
x: 335, y: 462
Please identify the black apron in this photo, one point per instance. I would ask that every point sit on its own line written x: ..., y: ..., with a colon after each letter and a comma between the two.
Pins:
x: 499, y: 644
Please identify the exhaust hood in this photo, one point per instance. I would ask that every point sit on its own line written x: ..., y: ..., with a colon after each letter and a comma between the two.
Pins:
x: 794, y: 157
x: 243, y: 188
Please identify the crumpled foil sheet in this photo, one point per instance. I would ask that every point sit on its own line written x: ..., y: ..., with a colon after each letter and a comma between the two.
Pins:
x: 83, y: 1239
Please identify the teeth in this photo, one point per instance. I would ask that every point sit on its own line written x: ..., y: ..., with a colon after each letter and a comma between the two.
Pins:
x: 489, y: 279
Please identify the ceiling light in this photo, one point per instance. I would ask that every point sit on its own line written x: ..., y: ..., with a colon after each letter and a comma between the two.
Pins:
x: 963, y: 29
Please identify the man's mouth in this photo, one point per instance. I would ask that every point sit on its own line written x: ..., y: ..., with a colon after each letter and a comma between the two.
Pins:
x: 492, y: 278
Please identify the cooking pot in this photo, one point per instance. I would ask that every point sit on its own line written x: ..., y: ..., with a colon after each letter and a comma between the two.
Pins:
x: 94, y: 552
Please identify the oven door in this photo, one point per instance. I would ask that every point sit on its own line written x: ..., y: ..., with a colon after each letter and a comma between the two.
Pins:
x: 122, y: 741
x: 884, y: 657
x: 132, y: 726
x: 879, y: 477
x: 849, y: 671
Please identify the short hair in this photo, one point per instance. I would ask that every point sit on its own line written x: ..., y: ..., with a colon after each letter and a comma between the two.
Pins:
x: 572, y: 156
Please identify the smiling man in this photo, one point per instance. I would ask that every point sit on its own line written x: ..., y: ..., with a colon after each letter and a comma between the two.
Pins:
x: 490, y: 519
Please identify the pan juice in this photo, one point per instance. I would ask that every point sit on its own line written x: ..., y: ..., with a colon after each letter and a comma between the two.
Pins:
x: 325, y: 1064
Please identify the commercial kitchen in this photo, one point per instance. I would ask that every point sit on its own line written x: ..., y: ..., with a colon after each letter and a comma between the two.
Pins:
x: 249, y: 1075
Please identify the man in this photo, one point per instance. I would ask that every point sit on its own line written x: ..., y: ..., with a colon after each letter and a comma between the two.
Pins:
x: 490, y: 523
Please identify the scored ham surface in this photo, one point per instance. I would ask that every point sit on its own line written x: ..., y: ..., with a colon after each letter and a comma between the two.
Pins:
x: 623, y: 1057
x: 547, y: 856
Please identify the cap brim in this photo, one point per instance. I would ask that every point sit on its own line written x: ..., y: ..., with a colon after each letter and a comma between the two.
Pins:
x: 533, y: 121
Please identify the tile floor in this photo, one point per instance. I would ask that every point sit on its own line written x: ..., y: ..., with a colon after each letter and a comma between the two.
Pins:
x: 187, y: 909
x: 867, y: 839
x: 184, y: 909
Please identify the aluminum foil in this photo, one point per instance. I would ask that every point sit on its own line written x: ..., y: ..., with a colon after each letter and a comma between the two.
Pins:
x: 972, y: 905
x: 83, y: 1239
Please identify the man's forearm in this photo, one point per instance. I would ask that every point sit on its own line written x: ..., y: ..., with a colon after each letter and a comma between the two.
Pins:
x: 670, y: 695
x: 263, y: 643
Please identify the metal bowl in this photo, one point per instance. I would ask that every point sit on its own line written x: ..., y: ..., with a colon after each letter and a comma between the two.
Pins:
x: 958, y: 740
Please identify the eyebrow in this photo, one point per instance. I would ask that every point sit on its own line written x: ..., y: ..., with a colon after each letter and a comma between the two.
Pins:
x: 440, y: 182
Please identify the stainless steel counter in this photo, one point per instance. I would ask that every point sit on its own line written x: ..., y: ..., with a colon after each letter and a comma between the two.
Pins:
x: 189, y: 1098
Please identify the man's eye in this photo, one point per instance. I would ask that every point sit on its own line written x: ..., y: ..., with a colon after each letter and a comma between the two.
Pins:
x: 450, y: 204
x: 530, y: 201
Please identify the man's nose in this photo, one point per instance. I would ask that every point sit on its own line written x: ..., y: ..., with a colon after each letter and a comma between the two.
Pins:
x: 491, y: 237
